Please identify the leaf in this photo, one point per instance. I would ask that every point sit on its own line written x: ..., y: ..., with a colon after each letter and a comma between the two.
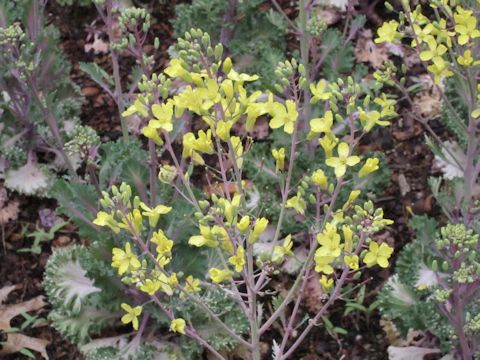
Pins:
x: 367, y: 51
x: 99, y: 46
x: 9, y: 212
x: 340, y: 4
x: 79, y: 202
x: 27, y: 353
x: 30, y: 179
x: 451, y: 160
x: 409, y: 352
x: 16, y: 342
x: 100, y: 76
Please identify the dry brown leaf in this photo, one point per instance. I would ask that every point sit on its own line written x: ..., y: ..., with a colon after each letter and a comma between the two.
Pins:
x: 98, y: 46
x: 393, y: 335
x: 427, y: 105
x: 9, y: 212
x: 367, y: 51
x: 218, y: 188
x: 329, y: 15
x: 16, y: 342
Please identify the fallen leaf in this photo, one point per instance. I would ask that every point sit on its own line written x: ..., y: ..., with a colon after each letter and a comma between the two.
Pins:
x: 409, y: 352
x: 403, y: 184
x: 328, y: 15
x: 90, y: 91
x: 367, y: 51
x: 427, y: 105
x: 14, y: 341
x: 98, y: 46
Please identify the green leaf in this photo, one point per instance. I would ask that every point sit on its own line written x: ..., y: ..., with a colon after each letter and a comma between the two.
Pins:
x: 100, y: 76
x: 27, y: 353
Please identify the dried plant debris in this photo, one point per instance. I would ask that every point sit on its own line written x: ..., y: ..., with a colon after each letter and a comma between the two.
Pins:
x: 8, y: 208
x: 369, y: 52
x: 15, y: 342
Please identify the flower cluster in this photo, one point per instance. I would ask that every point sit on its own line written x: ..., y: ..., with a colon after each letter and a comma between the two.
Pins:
x: 245, y: 246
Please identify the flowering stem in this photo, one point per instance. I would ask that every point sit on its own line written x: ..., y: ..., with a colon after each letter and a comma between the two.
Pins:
x: 304, y: 268
x: 336, y: 293
x: 107, y: 18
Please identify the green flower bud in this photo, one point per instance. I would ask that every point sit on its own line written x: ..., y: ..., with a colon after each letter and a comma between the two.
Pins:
x: 218, y: 52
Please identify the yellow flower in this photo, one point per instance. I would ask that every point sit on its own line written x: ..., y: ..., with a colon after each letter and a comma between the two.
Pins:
x: 178, y: 326
x: 298, y: 203
x: 164, y: 282
x: 440, y: 68
x: 164, y: 245
x: 441, y: 32
x: 124, y: 260
x: 476, y: 113
x: 465, y: 25
x: 138, y: 106
x: 211, y: 237
x: 260, y: 226
x: 434, y: 50
x: 243, y: 224
x: 152, y: 133
x: 370, y: 119
x: 387, y: 105
x: 318, y: 91
x: 320, y: 179
x: 283, y: 115
x: 323, y: 263
x: 233, y: 75
x: 328, y: 143
x: 106, y: 219
x: 193, y: 146
x: 132, y: 315
x: 132, y: 221
x: 466, y: 59
x: 329, y: 241
x: 322, y: 125
x: 421, y: 34
x: 279, y: 252
x: 176, y: 68
x: 388, y: 32
x: 163, y: 116
x: 378, y: 254
x: 223, y: 129
x: 173, y: 280
x: 154, y: 214
x: 192, y: 284
x: 370, y: 166
x: 219, y: 276
x: 351, y: 261
x: 279, y: 156
x: 351, y: 199
x: 343, y: 160
x: 326, y: 283
x: 150, y: 287
x: 238, y: 260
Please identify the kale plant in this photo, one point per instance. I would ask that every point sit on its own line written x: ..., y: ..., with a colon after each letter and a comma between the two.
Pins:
x: 40, y: 133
